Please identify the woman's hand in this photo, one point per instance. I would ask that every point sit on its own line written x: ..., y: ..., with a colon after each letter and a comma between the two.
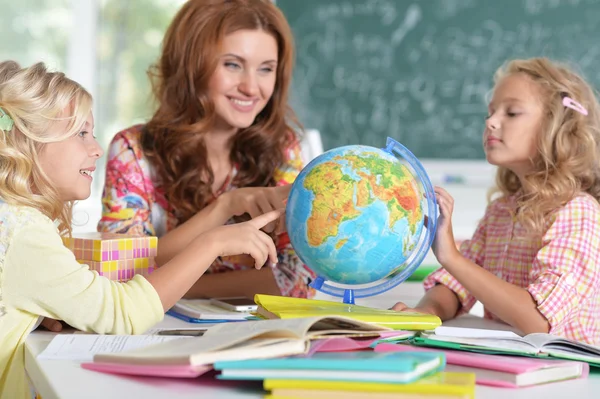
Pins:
x: 256, y: 201
x: 444, y: 246
x: 244, y: 238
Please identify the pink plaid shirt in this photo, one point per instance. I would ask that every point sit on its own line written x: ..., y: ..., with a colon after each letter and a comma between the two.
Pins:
x: 561, y: 270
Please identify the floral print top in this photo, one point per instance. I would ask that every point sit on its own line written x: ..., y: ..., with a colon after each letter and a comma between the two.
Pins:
x: 132, y: 202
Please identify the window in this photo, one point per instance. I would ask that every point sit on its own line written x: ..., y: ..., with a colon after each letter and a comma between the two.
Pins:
x: 107, y: 46
x: 36, y: 30
x: 129, y: 39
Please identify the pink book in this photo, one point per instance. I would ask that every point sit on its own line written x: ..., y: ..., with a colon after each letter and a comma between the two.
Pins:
x: 338, y: 344
x: 502, y: 370
x: 173, y: 371
x: 346, y: 344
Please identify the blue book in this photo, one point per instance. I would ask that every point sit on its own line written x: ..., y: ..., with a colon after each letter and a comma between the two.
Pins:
x: 183, y: 317
x: 390, y: 367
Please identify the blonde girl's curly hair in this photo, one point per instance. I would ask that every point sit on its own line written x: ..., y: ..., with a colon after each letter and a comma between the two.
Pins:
x: 37, y: 100
x: 568, y: 145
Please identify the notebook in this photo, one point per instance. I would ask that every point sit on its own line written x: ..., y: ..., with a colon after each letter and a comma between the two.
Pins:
x: 500, y: 370
x: 194, y: 320
x: 202, y: 309
x: 536, y: 345
x: 234, y: 341
x: 391, y: 367
x: 273, y: 307
x: 438, y: 386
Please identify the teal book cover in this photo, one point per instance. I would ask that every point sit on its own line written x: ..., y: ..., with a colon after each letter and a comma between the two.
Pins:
x: 399, y: 362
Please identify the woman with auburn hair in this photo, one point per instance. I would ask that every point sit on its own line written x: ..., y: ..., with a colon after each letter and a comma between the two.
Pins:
x: 218, y: 149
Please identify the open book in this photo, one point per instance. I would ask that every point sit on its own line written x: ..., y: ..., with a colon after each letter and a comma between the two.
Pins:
x: 538, y: 345
x: 273, y: 307
x: 232, y: 341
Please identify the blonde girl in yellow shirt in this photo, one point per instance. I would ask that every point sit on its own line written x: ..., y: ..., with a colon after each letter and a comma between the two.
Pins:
x: 48, y: 154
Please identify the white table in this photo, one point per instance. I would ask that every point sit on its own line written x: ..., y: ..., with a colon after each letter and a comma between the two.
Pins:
x: 65, y: 379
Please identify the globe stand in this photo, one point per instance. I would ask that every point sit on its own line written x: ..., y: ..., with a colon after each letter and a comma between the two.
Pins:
x: 348, y: 292
x: 419, y: 252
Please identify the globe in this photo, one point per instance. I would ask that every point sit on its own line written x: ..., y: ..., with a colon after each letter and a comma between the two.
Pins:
x: 362, y: 216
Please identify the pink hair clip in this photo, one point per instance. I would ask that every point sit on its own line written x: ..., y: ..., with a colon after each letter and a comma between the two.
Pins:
x: 574, y: 105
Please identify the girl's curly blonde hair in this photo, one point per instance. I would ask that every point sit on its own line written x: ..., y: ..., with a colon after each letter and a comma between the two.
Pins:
x: 36, y: 100
x: 568, y: 146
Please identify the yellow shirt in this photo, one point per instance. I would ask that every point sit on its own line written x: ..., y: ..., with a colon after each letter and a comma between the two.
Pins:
x: 39, y: 276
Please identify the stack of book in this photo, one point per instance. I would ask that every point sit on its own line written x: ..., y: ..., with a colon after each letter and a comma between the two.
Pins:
x: 116, y: 256
x: 321, y: 349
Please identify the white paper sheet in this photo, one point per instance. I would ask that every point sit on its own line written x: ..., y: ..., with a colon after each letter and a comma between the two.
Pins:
x: 83, y: 347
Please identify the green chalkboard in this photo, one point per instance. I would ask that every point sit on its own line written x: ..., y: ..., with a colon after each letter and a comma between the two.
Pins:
x: 420, y: 71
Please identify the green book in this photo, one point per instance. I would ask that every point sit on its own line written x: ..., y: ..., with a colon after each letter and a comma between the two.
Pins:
x: 533, y: 345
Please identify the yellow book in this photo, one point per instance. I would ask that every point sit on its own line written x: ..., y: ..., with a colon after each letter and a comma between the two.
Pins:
x: 279, y: 307
x: 308, y: 394
x: 440, y: 385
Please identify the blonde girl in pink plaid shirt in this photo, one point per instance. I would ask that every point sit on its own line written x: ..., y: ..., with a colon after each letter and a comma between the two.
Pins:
x: 534, y: 260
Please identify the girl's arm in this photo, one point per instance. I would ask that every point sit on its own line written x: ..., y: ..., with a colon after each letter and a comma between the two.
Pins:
x: 42, y: 277
x: 439, y: 300
x: 513, y: 304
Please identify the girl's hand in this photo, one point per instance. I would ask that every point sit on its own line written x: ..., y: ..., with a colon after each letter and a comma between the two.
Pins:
x: 244, y: 238
x: 402, y: 307
x: 51, y: 324
x: 256, y: 201
x: 444, y: 246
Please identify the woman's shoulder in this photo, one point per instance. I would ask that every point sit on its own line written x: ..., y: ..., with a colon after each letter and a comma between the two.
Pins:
x: 125, y: 142
x: 130, y: 136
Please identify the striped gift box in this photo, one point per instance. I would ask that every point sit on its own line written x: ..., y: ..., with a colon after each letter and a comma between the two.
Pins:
x: 122, y: 269
x: 102, y: 247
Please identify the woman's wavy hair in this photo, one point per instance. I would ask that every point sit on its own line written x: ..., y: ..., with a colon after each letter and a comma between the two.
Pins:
x: 173, y: 140
x: 36, y: 100
x: 568, y: 160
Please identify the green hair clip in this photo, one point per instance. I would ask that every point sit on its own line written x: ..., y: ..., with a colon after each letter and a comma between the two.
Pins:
x: 6, y: 122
